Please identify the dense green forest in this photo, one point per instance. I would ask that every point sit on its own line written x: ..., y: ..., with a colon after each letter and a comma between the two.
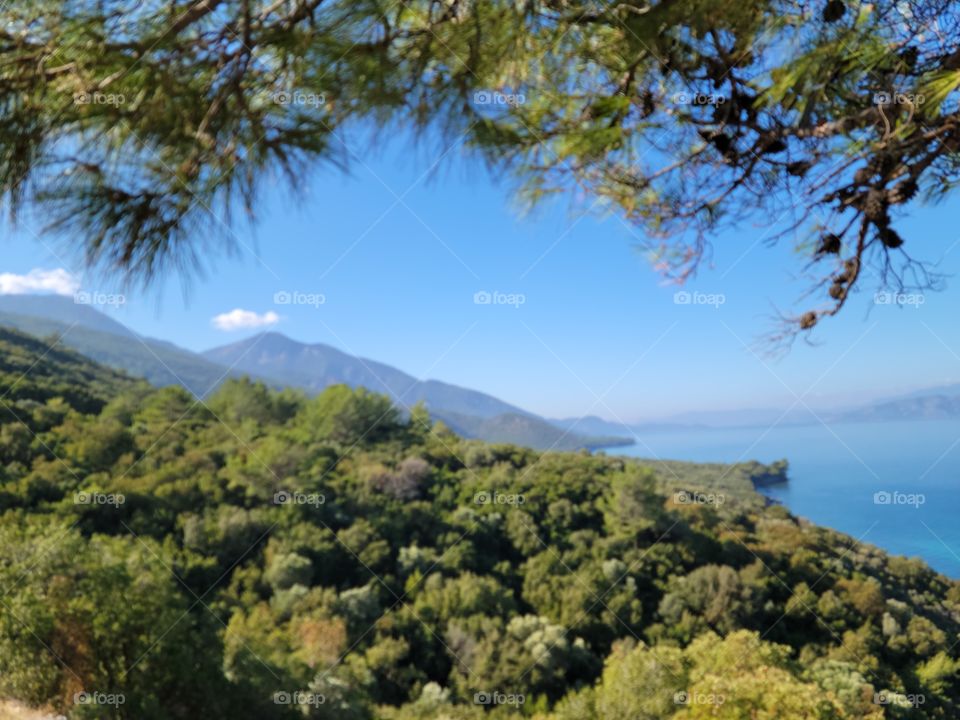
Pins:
x: 267, y: 555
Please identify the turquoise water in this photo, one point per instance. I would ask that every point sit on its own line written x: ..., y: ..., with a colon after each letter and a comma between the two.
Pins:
x: 836, y: 471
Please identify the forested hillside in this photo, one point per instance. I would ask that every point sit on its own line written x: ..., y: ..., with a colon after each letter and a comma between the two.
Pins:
x: 263, y: 555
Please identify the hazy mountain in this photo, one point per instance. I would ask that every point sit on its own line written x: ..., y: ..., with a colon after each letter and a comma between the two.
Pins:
x: 705, y: 419
x: 281, y: 361
x: 747, y: 417
x: 278, y: 361
x: 926, y: 407
x: 593, y: 425
x: 468, y: 412
x: 98, y: 337
x: 316, y: 366
x: 939, y: 390
x: 536, y: 432
x: 62, y: 309
x: 916, y: 406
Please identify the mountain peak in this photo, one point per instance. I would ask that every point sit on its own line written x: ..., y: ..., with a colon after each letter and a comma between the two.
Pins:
x: 274, y: 334
x: 276, y: 340
x: 316, y: 366
x: 273, y: 337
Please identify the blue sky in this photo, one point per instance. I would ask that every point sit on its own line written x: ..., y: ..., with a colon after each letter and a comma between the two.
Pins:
x: 397, y: 254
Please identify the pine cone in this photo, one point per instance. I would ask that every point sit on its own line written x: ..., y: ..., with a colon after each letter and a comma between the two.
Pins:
x: 837, y: 291
x: 890, y: 238
x: 909, y: 57
x: 875, y: 206
x: 862, y: 175
x: 829, y: 244
x: 647, y: 103
x: 850, y: 268
x: 722, y: 143
x: 774, y: 146
x: 725, y: 112
x: 808, y: 320
x: 833, y: 11
x: 903, y: 191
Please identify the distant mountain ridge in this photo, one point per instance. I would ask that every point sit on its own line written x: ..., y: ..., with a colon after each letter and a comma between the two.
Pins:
x: 471, y: 413
x: 923, y: 407
x: 280, y: 362
x: 919, y: 405
x: 317, y: 365
x: 99, y: 337
x: 63, y: 310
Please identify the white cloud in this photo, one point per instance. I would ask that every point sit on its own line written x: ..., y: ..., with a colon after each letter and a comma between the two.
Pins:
x: 59, y: 281
x: 241, y: 319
